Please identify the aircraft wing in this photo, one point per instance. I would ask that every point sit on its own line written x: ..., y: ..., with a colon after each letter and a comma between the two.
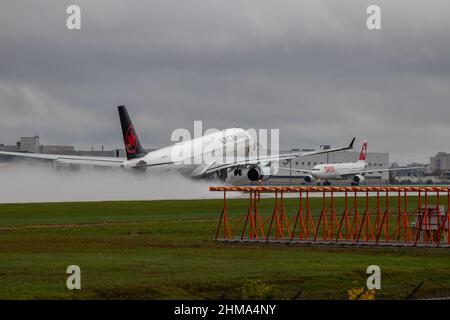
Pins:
x: 246, y: 161
x: 379, y: 170
x: 310, y: 153
x: 68, y: 159
x: 390, y: 169
x: 297, y: 170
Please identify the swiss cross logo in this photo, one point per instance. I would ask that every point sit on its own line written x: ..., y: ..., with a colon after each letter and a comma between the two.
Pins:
x: 362, y: 155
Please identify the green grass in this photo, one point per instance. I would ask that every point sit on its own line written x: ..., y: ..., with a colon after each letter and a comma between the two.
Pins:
x: 165, y: 249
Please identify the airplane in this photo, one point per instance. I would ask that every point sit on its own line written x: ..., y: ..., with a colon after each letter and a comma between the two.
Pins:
x: 340, y: 171
x: 204, y: 161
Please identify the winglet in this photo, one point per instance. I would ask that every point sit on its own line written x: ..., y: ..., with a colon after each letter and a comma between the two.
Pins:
x: 350, y: 146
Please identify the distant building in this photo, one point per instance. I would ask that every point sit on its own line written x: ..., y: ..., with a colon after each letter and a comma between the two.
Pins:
x: 410, y: 173
x: 29, y: 144
x: 440, y: 163
x: 10, y: 148
x: 56, y: 149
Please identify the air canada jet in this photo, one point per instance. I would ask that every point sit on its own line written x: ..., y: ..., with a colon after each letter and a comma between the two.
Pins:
x: 339, y: 171
x: 205, y: 156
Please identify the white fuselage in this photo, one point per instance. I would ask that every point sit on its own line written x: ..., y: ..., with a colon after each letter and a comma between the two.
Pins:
x: 337, y: 170
x: 215, y: 148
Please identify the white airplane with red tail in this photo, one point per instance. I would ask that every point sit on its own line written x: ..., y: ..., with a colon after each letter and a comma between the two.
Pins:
x: 339, y: 171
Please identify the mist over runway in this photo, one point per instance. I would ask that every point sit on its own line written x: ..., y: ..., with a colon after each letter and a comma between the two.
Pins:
x: 20, y: 183
x: 26, y: 183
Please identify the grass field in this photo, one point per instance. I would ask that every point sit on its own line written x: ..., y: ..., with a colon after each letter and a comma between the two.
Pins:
x: 165, y: 249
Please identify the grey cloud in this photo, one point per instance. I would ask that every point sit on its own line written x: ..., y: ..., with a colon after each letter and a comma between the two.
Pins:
x: 310, y: 68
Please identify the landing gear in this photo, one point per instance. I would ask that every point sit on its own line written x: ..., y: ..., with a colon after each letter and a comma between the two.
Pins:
x: 222, y: 174
x: 238, y: 172
x: 327, y: 183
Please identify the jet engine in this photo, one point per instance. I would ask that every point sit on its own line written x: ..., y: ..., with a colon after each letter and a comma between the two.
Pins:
x: 141, y: 166
x: 258, y: 173
x: 358, y: 178
x: 138, y: 167
x: 309, y: 178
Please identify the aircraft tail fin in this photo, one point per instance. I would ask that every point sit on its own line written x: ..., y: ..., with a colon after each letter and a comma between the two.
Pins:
x: 362, y: 154
x: 133, y: 147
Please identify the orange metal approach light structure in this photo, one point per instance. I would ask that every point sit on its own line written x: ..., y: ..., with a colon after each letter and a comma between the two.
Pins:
x: 370, y: 216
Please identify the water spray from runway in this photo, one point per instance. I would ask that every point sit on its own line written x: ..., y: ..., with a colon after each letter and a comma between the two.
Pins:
x: 20, y: 183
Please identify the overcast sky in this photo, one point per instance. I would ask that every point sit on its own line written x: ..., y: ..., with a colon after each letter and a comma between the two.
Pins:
x: 310, y: 68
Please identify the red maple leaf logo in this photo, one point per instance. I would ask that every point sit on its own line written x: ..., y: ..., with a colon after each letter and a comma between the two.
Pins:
x: 130, y: 140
